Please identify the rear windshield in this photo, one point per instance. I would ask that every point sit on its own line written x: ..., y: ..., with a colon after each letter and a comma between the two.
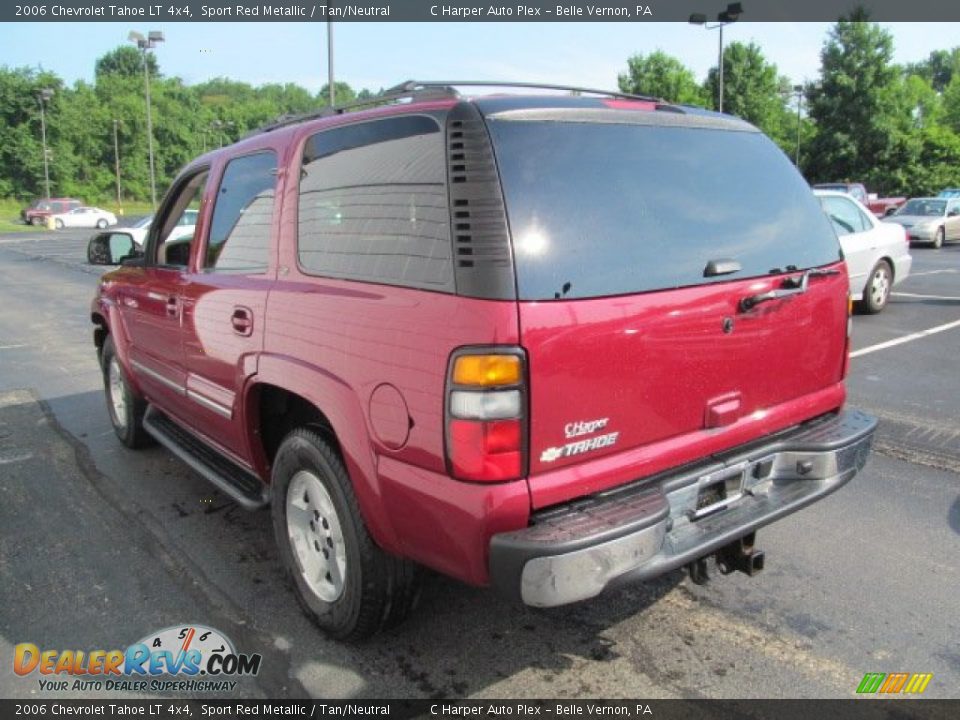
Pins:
x: 931, y: 208
x: 609, y: 209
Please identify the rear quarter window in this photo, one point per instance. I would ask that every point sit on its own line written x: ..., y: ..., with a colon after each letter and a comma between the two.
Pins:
x: 373, y: 204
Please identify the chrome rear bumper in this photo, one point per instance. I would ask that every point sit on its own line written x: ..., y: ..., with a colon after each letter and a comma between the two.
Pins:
x: 651, y: 527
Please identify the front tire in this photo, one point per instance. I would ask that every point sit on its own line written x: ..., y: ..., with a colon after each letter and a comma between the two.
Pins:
x: 345, y: 583
x: 126, y: 410
x: 938, y: 241
x: 58, y: 224
x: 877, y: 292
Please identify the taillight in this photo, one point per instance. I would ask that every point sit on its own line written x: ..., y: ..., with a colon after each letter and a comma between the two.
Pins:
x: 485, y: 414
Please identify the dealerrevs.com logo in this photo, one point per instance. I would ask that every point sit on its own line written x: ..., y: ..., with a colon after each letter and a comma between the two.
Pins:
x: 173, y: 659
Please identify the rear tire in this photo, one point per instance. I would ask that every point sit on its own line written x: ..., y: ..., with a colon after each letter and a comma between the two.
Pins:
x: 126, y: 410
x: 938, y: 241
x: 35, y: 221
x: 344, y: 582
x: 101, y: 223
x: 58, y: 224
x: 877, y: 291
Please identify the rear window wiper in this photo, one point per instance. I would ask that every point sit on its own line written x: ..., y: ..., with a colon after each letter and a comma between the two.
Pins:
x: 790, y: 286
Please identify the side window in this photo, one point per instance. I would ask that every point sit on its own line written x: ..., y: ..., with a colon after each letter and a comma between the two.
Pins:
x: 173, y: 243
x: 239, y: 238
x: 373, y: 204
x: 844, y: 215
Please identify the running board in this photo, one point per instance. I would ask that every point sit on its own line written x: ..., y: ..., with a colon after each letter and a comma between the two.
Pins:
x: 240, y: 484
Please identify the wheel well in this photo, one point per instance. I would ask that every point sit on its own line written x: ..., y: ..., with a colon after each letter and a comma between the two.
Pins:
x: 100, y: 332
x: 893, y: 270
x: 278, y: 411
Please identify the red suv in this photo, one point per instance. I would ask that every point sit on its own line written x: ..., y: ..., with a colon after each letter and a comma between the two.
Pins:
x: 547, y: 343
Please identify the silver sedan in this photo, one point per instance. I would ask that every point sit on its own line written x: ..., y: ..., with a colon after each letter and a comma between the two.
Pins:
x: 933, y: 221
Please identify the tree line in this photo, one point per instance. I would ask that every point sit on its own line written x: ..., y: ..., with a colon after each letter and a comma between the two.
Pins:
x: 894, y: 127
x: 89, y: 125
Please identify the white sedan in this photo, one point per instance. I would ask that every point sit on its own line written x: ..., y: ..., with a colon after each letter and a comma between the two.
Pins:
x: 877, y: 253
x: 85, y: 217
x: 185, y: 226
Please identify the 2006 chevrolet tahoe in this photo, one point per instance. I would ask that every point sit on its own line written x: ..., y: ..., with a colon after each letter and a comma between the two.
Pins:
x: 550, y: 343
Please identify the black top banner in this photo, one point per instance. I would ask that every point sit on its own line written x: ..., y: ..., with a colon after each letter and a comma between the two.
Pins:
x: 474, y: 11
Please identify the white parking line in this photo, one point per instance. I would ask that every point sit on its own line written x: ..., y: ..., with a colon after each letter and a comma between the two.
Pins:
x: 906, y: 339
x: 926, y: 297
x: 934, y: 272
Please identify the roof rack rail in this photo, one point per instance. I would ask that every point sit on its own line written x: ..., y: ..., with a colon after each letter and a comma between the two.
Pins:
x: 432, y: 89
x: 400, y: 92
x: 412, y: 85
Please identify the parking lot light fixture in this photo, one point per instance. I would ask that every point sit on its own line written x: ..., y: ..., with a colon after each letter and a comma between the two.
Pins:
x: 153, y: 38
x: 725, y: 17
x: 798, y: 89
x: 43, y: 96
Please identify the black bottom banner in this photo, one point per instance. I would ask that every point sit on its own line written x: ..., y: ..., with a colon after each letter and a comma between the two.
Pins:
x: 857, y: 709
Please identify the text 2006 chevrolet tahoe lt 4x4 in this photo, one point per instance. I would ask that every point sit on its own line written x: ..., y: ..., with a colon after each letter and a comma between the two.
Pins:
x: 546, y: 343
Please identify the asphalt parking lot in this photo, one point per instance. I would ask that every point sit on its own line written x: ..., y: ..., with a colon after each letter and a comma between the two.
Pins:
x: 101, y: 545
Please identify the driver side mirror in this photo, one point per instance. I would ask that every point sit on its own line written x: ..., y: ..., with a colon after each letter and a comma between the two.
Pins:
x: 112, y: 248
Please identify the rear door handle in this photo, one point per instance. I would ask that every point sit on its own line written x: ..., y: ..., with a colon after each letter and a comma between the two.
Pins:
x: 242, y: 320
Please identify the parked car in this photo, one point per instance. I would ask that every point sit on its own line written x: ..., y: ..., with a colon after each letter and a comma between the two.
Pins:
x: 879, y: 206
x: 39, y: 210
x: 932, y: 221
x: 602, y: 390
x: 877, y: 253
x: 85, y: 217
x: 139, y: 229
x: 949, y: 193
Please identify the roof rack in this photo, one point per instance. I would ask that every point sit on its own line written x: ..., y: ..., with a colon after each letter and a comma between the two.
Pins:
x: 433, y: 89
x: 412, y: 85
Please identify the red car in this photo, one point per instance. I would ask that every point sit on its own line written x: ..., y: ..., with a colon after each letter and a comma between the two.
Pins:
x: 492, y: 337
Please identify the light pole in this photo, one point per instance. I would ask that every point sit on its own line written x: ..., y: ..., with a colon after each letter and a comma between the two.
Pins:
x: 330, y: 87
x: 153, y: 38
x: 42, y: 97
x: 116, y: 160
x: 798, y: 89
x: 730, y: 15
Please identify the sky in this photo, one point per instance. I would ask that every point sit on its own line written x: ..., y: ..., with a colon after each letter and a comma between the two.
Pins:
x: 380, y: 55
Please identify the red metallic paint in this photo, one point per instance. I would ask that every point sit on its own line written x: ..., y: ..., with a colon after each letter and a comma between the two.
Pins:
x: 652, y: 364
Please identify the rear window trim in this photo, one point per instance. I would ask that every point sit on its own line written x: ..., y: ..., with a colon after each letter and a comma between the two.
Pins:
x: 439, y: 117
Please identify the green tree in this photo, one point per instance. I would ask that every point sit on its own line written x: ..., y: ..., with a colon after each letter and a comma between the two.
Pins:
x: 938, y: 69
x: 854, y: 134
x: 21, y: 148
x: 754, y: 91
x: 662, y: 76
x: 342, y: 94
x: 127, y: 61
x: 951, y: 104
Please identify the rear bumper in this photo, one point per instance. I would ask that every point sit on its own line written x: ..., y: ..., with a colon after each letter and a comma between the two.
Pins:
x: 573, y: 552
